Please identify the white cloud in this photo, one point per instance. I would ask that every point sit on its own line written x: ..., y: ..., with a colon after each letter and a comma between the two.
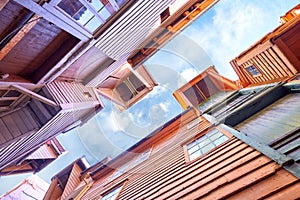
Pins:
x: 165, y: 106
x: 233, y: 27
x: 187, y: 75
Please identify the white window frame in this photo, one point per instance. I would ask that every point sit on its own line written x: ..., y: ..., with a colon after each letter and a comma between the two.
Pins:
x: 186, y: 148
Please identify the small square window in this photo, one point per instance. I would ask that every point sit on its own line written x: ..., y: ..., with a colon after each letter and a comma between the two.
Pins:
x: 164, y: 15
x: 252, y: 70
x: 205, y: 143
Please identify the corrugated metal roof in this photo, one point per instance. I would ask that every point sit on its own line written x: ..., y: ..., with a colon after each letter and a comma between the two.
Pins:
x: 273, y: 121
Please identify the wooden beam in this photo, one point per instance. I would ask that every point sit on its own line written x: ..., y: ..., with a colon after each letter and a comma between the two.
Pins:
x: 33, y: 95
x: 3, y: 4
x: 18, y: 36
x: 8, y: 98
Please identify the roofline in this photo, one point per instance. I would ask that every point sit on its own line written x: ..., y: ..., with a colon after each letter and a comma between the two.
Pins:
x: 146, y: 138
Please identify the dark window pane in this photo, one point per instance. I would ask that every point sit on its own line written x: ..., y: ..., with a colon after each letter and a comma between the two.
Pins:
x: 207, y: 87
x: 71, y: 6
x: 137, y: 83
x: 252, y: 70
x: 124, y: 92
x: 193, y: 96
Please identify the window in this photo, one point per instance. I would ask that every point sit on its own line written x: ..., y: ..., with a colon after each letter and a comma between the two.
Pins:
x: 113, y: 194
x: 121, y: 170
x: 201, y: 91
x: 252, y: 70
x: 130, y: 87
x: 90, y: 13
x: 205, y: 143
x: 164, y: 15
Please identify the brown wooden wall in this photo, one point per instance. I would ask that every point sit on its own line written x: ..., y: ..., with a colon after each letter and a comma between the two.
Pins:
x: 289, y: 44
x: 17, y: 124
x: 268, y: 60
x: 233, y: 170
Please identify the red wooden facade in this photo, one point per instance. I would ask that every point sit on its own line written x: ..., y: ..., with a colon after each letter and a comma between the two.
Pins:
x: 275, y: 57
x: 230, y: 170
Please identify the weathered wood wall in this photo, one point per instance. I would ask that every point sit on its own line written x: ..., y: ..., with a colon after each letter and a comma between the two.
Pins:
x: 233, y: 170
x: 289, y: 44
x: 17, y: 124
x: 278, y: 126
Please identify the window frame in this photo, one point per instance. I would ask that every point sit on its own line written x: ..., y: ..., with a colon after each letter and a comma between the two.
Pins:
x: 186, y: 143
x: 256, y: 69
x: 121, y: 186
x: 96, y: 13
x: 131, y: 87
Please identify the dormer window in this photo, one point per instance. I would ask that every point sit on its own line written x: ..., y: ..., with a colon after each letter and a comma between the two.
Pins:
x: 113, y: 194
x: 130, y: 87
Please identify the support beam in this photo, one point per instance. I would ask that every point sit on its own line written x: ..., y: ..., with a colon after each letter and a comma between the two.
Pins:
x: 19, y: 35
x: 277, y: 156
x: 280, y: 158
x: 33, y: 95
x: 77, y: 31
x: 8, y: 98
x: 3, y: 4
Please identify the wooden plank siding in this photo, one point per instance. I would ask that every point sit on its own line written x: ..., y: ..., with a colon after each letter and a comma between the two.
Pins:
x: 276, y: 56
x: 16, y: 124
x: 269, y: 63
x: 73, y: 181
x: 76, y: 104
x: 227, y: 171
x: 136, y: 24
x: 66, y: 92
x: 54, y: 126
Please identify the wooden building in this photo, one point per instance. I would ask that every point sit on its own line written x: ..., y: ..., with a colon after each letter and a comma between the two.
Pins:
x: 37, y: 160
x: 275, y: 57
x: 241, y: 144
x: 213, y: 155
x: 66, y: 180
x: 57, y: 107
x: 58, y: 56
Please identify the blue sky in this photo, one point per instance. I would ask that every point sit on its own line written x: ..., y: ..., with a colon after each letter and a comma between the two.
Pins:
x: 215, y: 38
